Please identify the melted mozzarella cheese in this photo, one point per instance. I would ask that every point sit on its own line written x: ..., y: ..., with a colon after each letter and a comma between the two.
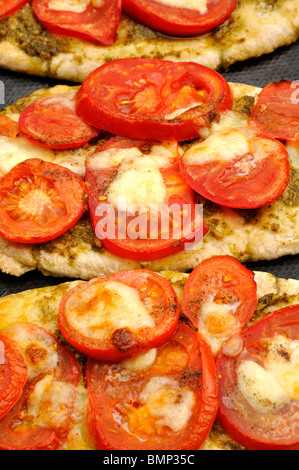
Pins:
x: 242, y: 149
x: 161, y: 156
x: 75, y: 6
x: 282, y: 362
x: 15, y: 151
x: 114, y: 306
x: 220, y: 146
x: 218, y: 317
x: 198, y: 5
x: 39, y: 349
x: 66, y: 100
x: 140, y: 362
x: 275, y: 384
x: 139, y: 183
x: 260, y: 388
x: 112, y: 157
x: 49, y: 402
x: 137, y: 186
x: 168, y: 402
x: 180, y: 111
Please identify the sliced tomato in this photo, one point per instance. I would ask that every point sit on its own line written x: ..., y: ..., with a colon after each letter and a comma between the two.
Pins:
x: 116, y: 316
x: 258, y: 383
x: 219, y: 298
x: 94, y: 20
x: 42, y: 417
x: 276, y: 113
x: 153, y: 99
x: 52, y: 122
x: 165, y: 399
x: 8, y: 7
x: 8, y: 127
x: 140, y: 206
x: 13, y: 374
x: 176, y: 19
x: 39, y: 201
x: 238, y: 168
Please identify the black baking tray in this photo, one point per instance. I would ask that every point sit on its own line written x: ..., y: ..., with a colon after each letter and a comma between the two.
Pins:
x: 283, y: 64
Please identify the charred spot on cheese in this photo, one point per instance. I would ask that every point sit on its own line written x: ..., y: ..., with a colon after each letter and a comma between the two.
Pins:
x: 124, y: 340
x: 35, y: 354
x: 28, y: 34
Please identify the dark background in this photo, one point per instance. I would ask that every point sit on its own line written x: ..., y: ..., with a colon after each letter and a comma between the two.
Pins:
x: 283, y: 64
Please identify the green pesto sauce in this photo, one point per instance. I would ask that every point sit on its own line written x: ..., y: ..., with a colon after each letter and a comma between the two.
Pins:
x: 24, y: 30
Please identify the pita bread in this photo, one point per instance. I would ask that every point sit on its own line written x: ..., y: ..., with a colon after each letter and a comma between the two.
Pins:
x: 40, y: 306
x: 256, y: 27
x: 249, y: 235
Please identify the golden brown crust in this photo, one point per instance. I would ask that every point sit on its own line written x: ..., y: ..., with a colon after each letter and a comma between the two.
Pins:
x: 249, y: 235
x: 40, y: 306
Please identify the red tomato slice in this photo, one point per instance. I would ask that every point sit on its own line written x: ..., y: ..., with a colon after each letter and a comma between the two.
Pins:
x: 159, y: 215
x: 258, y: 384
x: 8, y: 7
x: 153, y: 99
x: 128, y: 402
x: 8, y: 127
x: 116, y: 316
x: 178, y: 20
x: 276, y: 113
x: 52, y: 122
x: 219, y: 297
x: 237, y: 168
x: 94, y: 21
x: 39, y: 201
x: 13, y: 374
x: 36, y: 422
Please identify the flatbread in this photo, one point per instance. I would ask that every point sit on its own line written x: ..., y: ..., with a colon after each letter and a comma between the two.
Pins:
x: 40, y: 306
x: 256, y: 27
x: 249, y: 235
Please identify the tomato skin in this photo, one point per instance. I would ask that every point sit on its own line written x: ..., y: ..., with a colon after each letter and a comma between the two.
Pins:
x: 14, y: 435
x: 70, y: 195
x: 8, y: 127
x: 178, y: 192
x: 225, y: 278
x: 102, y: 109
x: 13, y: 374
x: 106, y: 350
x: 276, y: 113
x: 11, y: 6
x: 178, y: 21
x: 102, y: 425
x: 51, y: 121
x: 254, y: 433
x: 93, y: 24
x: 38, y: 438
x: 224, y: 183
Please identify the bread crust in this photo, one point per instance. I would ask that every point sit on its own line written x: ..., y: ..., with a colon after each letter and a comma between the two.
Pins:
x: 256, y: 27
x: 40, y: 306
x: 249, y: 235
